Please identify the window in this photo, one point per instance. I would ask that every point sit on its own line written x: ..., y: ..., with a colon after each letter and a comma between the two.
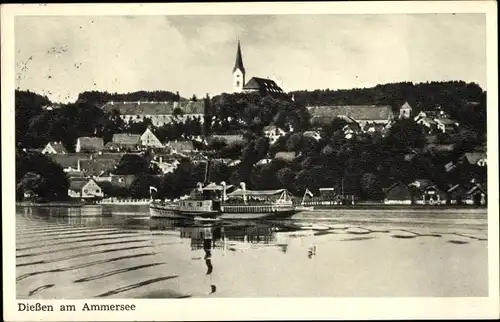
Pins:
x: 238, y: 83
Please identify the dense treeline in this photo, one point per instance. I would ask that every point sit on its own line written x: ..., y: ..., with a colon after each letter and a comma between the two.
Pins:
x: 236, y: 113
x: 465, y: 102
x: 40, y: 177
x: 98, y: 98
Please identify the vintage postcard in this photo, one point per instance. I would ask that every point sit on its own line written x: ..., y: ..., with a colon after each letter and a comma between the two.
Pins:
x: 250, y: 161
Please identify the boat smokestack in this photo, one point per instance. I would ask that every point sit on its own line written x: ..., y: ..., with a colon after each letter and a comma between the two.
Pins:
x: 243, y: 187
x: 224, y: 196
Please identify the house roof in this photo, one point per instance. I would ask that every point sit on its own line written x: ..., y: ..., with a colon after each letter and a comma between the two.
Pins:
x: 76, y: 184
x: 155, y: 108
x: 270, y: 128
x: 228, y: 139
x: 428, y: 120
x: 262, y: 84
x: 406, y: 105
x: 126, y: 139
x: 181, y: 145
x: 474, y: 157
x: 58, y: 147
x: 97, y: 167
x: 69, y: 160
x: 356, y: 112
x: 445, y: 121
x: 422, y: 183
x: 398, y: 191
x: 288, y: 156
x: 91, y: 143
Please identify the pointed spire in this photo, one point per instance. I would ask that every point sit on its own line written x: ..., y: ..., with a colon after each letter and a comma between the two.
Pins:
x: 239, y: 60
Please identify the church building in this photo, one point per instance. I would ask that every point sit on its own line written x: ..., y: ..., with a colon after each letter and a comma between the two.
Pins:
x: 255, y: 84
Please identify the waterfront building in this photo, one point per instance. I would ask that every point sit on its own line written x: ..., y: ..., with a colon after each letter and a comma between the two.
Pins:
x: 84, y: 189
x: 398, y: 194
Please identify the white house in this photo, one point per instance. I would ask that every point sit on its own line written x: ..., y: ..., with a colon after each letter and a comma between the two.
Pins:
x: 273, y: 133
x: 149, y: 139
x: 84, y: 189
x: 446, y: 125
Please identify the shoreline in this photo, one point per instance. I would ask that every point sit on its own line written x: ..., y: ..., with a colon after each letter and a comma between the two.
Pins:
x: 374, y: 206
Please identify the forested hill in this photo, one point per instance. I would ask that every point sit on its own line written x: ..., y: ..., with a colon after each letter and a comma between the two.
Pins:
x: 421, y: 95
x: 98, y: 98
x: 464, y: 101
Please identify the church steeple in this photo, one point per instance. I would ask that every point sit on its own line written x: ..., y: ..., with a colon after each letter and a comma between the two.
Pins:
x: 238, y: 72
x: 239, y: 60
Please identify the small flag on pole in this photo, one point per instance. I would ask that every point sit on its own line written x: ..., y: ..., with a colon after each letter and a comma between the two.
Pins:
x: 309, y: 193
x: 151, y: 188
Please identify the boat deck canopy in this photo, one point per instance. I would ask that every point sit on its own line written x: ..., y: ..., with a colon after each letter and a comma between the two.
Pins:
x: 241, y: 192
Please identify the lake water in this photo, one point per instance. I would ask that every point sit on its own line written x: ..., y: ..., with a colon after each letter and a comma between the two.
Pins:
x: 118, y: 252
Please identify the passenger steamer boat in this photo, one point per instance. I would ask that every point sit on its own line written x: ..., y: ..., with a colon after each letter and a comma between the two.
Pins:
x: 213, y: 202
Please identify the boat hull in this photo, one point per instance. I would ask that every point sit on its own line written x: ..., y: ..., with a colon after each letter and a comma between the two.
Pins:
x: 169, y: 212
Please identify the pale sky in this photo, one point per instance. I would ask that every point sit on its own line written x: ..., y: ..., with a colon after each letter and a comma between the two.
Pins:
x: 62, y: 56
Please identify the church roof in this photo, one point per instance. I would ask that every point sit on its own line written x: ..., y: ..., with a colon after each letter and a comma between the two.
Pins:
x: 239, y: 60
x: 262, y: 84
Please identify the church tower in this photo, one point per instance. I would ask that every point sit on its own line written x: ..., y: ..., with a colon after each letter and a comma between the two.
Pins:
x: 238, y: 72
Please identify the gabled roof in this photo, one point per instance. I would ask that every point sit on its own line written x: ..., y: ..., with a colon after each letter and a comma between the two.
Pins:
x: 287, y: 156
x: 181, y: 145
x: 69, y: 160
x: 406, y: 106
x: 356, y: 112
x: 270, y: 128
x: 76, y: 184
x: 263, y: 85
x: 126, y: 139
x: 228, y: 139
x: 398, y: 191
x: 91, y: 143
x: 58, y: 147
x: 96, y: 167
x: 474, y: 157
x: 239, y: 60
x: 155, y: 108
x: 445, y: 121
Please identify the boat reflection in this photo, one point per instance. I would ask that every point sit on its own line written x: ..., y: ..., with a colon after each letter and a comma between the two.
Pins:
x: 226, y: 235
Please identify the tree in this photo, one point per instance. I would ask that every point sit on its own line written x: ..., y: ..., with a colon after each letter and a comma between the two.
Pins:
x: 134, y: 164
x: 39, y: 174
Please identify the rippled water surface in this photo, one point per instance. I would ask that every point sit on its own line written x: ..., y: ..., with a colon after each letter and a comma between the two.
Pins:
x: 118, y: 252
